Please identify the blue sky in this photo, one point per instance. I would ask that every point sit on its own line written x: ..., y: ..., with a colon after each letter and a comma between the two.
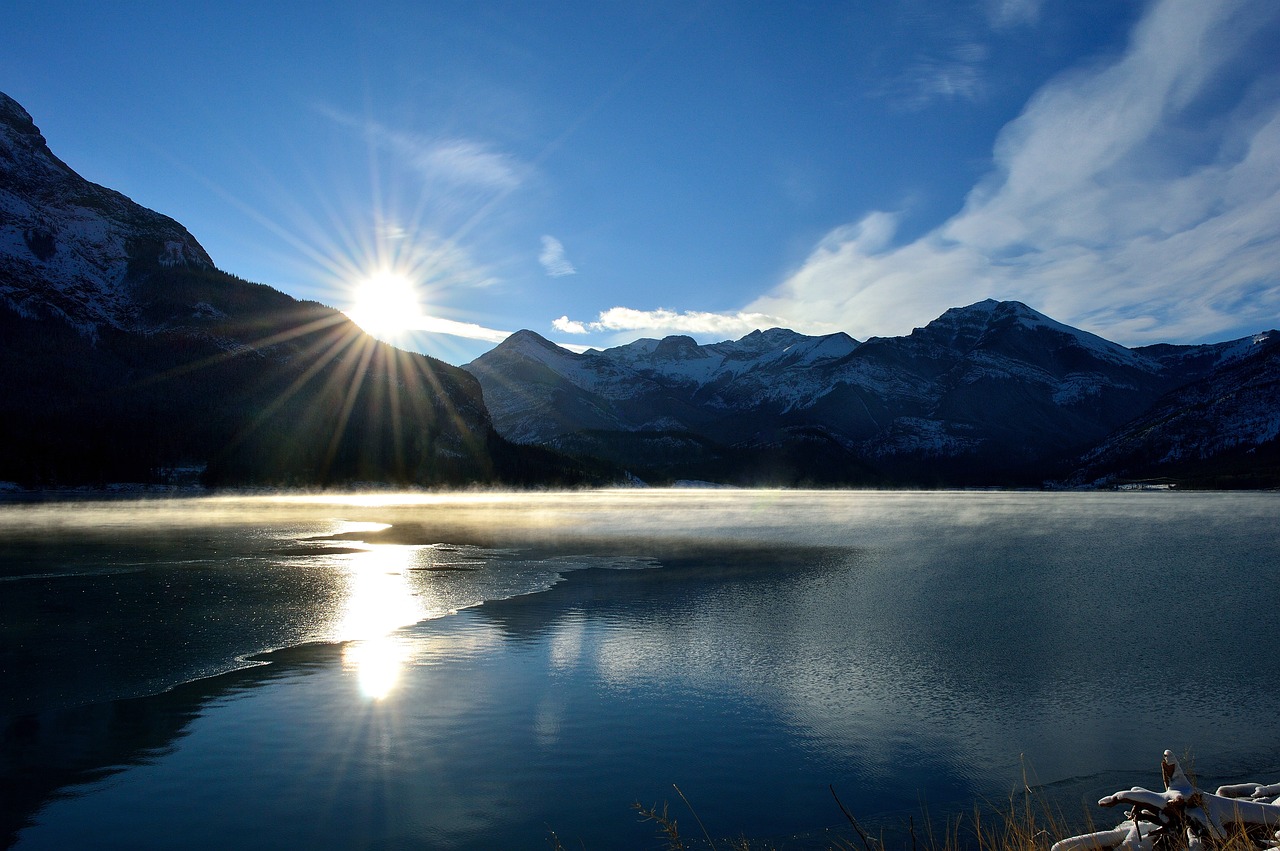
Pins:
x: 601, y: 171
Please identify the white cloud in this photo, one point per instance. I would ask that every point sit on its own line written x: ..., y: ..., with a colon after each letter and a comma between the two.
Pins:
x: 553, y: 259
x: 1111, y: 205
x: 663, y: 322
x: 565, y: 325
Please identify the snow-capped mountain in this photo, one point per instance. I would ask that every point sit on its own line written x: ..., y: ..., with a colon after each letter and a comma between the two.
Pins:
x: 991, y: 393
x: 125, y: 355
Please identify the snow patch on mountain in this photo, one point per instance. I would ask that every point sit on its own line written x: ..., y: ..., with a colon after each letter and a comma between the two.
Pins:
x: 927, y: 438
x: 661, y: 424
x: 1078, y: 387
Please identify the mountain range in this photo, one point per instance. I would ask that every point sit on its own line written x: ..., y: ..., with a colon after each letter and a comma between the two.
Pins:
x: 992, y: 394
x: 127, y: 355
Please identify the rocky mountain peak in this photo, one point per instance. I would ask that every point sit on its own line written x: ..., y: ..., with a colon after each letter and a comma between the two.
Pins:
x: 70, y: 248
x: 17, y: 119
x: 760, y: 341
x: 960, y: 327
x: 1003, y: 326
x: 679, y: 347
x: 529, y: 342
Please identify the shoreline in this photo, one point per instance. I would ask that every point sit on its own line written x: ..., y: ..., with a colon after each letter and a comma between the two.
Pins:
x: 13, y: 493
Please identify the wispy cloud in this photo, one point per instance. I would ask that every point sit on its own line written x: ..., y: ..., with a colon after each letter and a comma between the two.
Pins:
x: 456, y: 161
x: 1116, y: 202
x: 663, y: 321
x: 461, y: 161
x: 1008, y: 13
x: 553, y: 259
x: 469, y: 330
x: 957, y: 74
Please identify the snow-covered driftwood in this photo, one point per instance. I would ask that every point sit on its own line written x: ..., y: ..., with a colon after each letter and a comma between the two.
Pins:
x: 1183, y: 816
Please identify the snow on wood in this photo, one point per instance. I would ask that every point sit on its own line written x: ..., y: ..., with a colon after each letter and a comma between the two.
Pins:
x: 1183, y: 816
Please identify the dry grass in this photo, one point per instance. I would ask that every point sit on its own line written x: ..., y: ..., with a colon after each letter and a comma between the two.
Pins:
x: 1022, y: 826
x: 1027, y: 822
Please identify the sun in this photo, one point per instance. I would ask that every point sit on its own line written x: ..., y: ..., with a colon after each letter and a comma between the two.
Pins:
x: 385, y: 304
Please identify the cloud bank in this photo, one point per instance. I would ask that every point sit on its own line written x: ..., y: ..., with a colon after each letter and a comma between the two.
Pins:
x: 1138, y: 199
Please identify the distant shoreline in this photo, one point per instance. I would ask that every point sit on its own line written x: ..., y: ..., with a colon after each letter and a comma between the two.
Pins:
x: 13, y: 493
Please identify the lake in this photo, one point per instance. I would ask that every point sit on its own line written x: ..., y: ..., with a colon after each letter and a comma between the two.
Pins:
x: 488, y: 670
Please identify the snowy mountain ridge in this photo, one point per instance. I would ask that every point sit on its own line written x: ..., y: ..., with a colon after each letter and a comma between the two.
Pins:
x: 681, y: 360
x: 992, y: 386
x: 795, y: 372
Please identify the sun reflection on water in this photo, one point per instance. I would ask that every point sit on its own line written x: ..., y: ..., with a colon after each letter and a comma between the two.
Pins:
x: 379, y: 600
x: 377, y: 663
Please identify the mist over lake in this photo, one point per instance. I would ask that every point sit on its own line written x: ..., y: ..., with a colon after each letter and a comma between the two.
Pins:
x: 479, y: 670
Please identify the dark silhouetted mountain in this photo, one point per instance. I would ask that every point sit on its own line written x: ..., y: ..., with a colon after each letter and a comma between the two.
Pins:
x: 990, y: 394
x: 125, y: 355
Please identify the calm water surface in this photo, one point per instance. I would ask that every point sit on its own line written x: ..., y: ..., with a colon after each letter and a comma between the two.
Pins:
x: 479, y: 671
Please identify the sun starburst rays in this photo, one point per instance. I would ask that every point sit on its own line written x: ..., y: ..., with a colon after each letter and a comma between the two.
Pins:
x: 381, y: 410
x: 339, y: 399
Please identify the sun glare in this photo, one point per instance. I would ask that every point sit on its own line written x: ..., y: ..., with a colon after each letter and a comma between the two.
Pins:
x: 385, y: 304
